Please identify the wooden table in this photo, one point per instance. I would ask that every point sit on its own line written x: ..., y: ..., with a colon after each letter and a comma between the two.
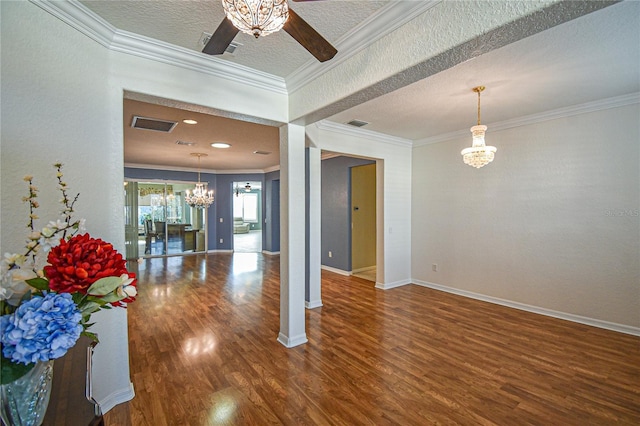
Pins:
x: 68, y: 405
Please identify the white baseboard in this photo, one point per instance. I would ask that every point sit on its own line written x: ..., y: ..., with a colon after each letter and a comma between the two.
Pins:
x: 293, y: 341
x: 336, y: 270
x: 117, y: 397
x: 621, y: 328
x: 387, y: 286
x: 313, y: 304
x: 270, y: 253
x: 365, y: 269
x: 220, y: 251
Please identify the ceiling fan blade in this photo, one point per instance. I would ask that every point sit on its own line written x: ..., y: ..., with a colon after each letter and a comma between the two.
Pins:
x: 309, y: 38
x: 221, y: 38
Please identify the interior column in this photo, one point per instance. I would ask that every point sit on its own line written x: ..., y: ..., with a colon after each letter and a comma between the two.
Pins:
x: 292, y: 236
x: 313, y: 296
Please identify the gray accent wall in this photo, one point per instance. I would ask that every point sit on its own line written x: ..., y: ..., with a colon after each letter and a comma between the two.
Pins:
x: 336, y: 211
x: 224, y: 209
x: 271, y: 242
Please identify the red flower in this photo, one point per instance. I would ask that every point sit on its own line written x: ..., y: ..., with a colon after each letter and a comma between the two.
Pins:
x: 81, y: 261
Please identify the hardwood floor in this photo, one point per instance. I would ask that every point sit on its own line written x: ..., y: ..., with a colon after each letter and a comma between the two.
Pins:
x: 204, y: 352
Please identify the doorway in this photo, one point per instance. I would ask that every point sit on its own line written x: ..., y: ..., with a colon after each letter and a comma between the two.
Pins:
x: 160, y: 222
x: 247, y: 217
x: 363, y: 221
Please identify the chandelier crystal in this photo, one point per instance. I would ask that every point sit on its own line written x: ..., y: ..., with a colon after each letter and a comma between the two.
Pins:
x: 479, y: 154
x: 199, y: 198
x: 257, y: 17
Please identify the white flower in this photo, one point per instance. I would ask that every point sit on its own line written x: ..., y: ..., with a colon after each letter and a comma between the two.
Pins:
x: 13, y: 285
x: 46, y: 244
x: 11, y: 259
x: 35, y: 235
x: 126, y: 289
x: 49, y: 230
x: 81, y: 226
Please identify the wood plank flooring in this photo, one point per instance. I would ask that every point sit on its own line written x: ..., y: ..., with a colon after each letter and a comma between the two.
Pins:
x: 204, y: 352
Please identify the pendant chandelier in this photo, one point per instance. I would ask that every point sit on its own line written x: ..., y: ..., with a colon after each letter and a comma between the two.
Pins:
x: 479, y: 154
x: 199, y: 198
x: 257, y: 17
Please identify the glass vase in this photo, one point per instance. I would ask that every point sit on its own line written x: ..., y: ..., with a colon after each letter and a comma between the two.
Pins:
x: 25, y: 400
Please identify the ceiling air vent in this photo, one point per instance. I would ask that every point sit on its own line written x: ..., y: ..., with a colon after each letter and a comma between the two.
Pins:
x: 153, y: 124
x: 357, y: 123
x: 205, y: 37
x: 261, y: 152
x: 185, y: 143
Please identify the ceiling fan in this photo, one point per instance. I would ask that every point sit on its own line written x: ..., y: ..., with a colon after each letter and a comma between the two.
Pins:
x: 263, y: 17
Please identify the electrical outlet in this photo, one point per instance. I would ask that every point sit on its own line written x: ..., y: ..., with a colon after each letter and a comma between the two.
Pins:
x: 330, y: 254
x: 221, y: 241
x: 434, y: 267
x: 220, y: 220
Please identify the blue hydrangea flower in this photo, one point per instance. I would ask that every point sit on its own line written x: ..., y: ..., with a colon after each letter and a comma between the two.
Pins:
x: 41, y: 329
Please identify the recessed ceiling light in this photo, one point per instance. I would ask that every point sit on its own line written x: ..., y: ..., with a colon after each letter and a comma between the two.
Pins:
x: 220, y: 145
x: 189, y: 121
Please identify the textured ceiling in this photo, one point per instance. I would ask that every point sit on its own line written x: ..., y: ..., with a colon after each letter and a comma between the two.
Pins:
x: 594, y: 57
x: 182, y: 23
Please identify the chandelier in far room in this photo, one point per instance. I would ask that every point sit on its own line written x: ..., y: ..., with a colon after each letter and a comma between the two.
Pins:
x: 479, y: 154
x: 199, y: 197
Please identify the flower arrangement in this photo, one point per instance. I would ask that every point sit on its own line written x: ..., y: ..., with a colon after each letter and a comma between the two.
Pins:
x: 45, y: 311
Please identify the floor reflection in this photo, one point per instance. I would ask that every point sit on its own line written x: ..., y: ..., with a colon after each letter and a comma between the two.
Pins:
x: 244, y: 262
x: 223, y: 407
x: 197, y: 346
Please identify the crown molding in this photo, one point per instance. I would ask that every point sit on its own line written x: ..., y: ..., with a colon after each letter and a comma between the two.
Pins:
x: 599, y: 105
x: 195, y: 170
x: 386, y: 20
x: 76, y: 15
x: 272, y: 169
x: 326, y: 155
x: 345, y: 129
x: 241, y: 172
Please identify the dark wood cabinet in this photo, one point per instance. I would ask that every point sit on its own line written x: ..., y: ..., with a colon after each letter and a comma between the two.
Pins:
x: 68, y: 405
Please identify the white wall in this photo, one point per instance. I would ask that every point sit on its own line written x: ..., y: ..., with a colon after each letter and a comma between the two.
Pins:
x: 394, y: 171
x: 551, y: 223
x: 55, y: 107
x: 62, y: 101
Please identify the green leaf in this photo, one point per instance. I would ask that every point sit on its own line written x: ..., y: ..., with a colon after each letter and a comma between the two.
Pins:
x: 13, y: 371
x: 77, y: 298
x: 112, y: 297
x: 87, y: 308
x: 38, y: 283
x: 90, y: 335
x: 104, y: 286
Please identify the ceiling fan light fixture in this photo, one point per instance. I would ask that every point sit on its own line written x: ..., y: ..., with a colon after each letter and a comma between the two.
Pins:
x: 257, y: 17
